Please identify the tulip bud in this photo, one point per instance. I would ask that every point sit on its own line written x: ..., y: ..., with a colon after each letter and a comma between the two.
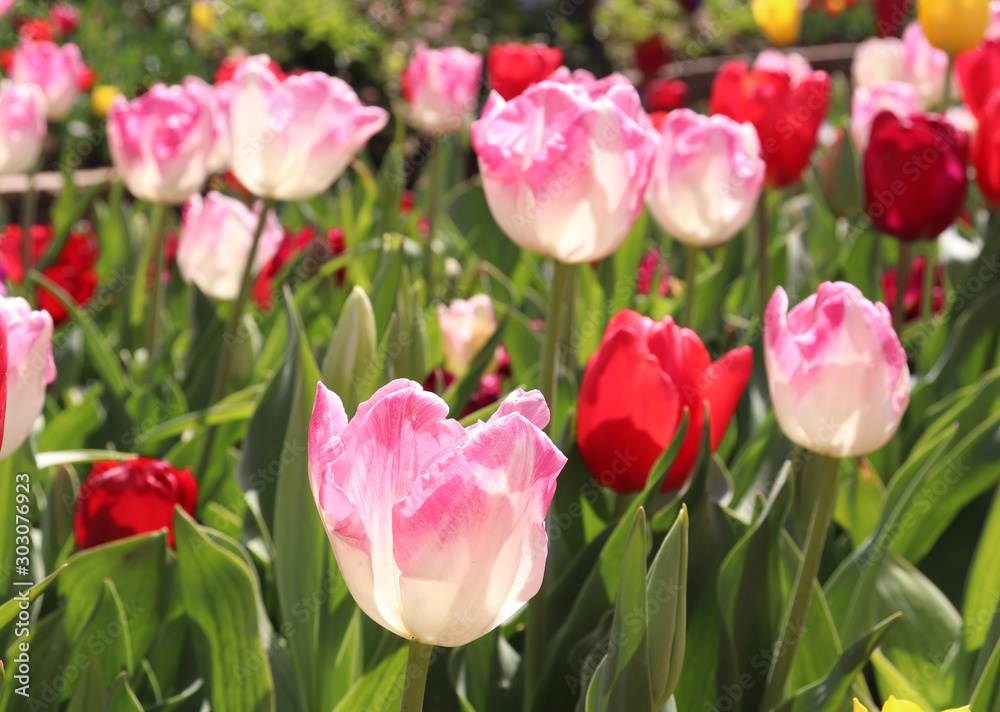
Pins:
x: 707, y: 177
x: 408, y: 338
x: 55, y: 70
x: 840, y: 178
x: 438, y: 530
x: 30, y: 368
x: 353, y: 348
x: 512, y: 68
x: 954, y: 25
x: 22, y: 126
x: 779, y: 20
x: 837, y: 373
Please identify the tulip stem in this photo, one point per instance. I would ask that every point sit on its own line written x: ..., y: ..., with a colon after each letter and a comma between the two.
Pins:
x: 230, y: 340
x: 927, y: 294
x: 548, y: 381
x: 902, y: 277
x: 802, y: 590
x: 156, y: 262
x: 29, y: 208
x: 763, y: 259
x: 418, y: 662
x: 690, y: 277
x: 437, y: 169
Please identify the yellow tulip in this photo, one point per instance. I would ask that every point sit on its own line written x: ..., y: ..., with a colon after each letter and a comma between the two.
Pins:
x: 779, y: 20
x: 954, y: 25
x: 203, y: 16
x: 101, y: 98
x: 894, y: 705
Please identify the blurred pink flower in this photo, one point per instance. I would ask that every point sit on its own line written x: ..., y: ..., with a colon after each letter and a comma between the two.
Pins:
x: 441, y: 88
x: 55, y: 70
x: 22, y: 126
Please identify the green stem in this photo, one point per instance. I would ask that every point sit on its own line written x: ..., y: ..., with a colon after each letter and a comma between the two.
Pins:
x: 690, y: 276
x: 418, y: 662
x: 763, y: 260
x: 437, y: 169
x: 902, y: 277
x: 946, y: 99
x: 230, y: 339
x: 802, y: 590
x: 927, y: 294
x: 157, y: 259
x: 29, y: 208
x: 548, y: 381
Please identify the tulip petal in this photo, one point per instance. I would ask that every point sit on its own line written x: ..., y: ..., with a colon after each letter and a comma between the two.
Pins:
x: 469, y: 538
x: 722, y: 386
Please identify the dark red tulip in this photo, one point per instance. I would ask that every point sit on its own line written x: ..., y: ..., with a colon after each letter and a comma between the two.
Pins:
x: 651, y: 55
x: 787, y: 113
x: 293, y: 244
x: 407, y: 201
x: 891, y: 16
x: 489, y: 392
x: 915, y: 175
x: 649, y: 266
x: 986, y: 149
x: 87, y: 78
x: 64, y: 19
x: 665, y: 95
x: 633, y: 396
x: 73, y: 268
x: 913, y: 296
x: 978, y: 72
x: 228, y: 65
x: 121, y: 499
x: 512, y: 68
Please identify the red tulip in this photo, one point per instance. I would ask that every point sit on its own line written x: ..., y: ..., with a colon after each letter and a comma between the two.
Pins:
x: 64, y: 19
x: 786, y: 110
x: 986, y: 149
x: 891, y: 16
x: 915, y: 175
x: 122, y: 499
x: 634, y: 393
x: 512, y: 68
x: 978, y: 72
x: 665, y: 95
x: 292, y: 245
x: 73, y: 269
x: 913, y: 296
x: 35, y: 29
x: 228, y: 65
x: 651, y: 55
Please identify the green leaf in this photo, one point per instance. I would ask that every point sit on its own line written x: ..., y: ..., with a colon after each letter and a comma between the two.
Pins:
x: 107, y: 634
x: 666, y: 594
x: 622, y: 679
x: 91, y: 690
x: 986, y: 690
x: 105, y: 361
x: 46, y: 637
x: 137, y: 566
x: 73, y: 457
x: 859, y: 502
x: 8, y: 611
x: 234, y: 408
x: 982, y: 590
x: 457, y: 396
x: 830, y: 693
x: 381, y: 689
x: 70, y: 428
x: 122, y: 698
x: 484, y: 673
x: 472, y: 217
x: 222, y: 599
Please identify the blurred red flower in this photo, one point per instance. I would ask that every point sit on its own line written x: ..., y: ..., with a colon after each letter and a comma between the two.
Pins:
x: 512, y: 68
x: 228, y: 65
x: 73, y: 268
x: 891, y: 16
x: 64, y: 19
x: 986, y: 148
x: 665, y: 95
x: 122, y: 499
x: 913, y: 296
x: 35, y: 29
x: 978, y: 72
x: 651, y: 55
x: 648, y: 268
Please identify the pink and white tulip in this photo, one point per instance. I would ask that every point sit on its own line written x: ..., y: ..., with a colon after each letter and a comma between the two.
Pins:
x: 867, y: 103
x: 707, y: 177
x: 925, y: 67
x: 160, y: 143
x: 30, y: 368
x: 837, y: 372
x: 467, y: 325
x: 215, y: 241
x: 565, y: 166
x: 441, y: 88
x: 5, y: 6
x: 53, y: 69
x: 878, y: 60
x: 217, y: 99
x: 292, y: 139
x: 438, y: 530
x: 22, y: 126
x: 793, y: 64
